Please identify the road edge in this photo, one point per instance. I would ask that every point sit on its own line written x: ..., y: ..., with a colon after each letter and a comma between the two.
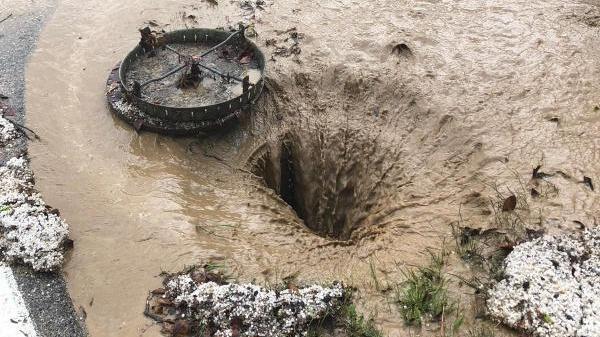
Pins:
x: 44, y: 294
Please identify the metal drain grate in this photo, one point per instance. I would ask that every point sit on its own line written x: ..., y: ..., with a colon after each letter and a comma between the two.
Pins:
x: 163, y: 80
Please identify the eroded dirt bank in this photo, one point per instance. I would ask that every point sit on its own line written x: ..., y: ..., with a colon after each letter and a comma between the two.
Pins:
x: 382, y: 144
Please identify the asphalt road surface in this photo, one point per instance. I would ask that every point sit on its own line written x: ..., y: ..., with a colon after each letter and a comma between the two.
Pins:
x: 33, y: 304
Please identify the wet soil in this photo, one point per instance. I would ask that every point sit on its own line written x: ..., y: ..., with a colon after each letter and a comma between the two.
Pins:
x: 394, y: 115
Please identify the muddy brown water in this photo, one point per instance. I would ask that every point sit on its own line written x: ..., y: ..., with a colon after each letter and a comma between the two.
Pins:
x: 383, y: 144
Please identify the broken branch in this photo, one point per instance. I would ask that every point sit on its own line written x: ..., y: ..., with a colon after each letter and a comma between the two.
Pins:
x: 23, y: 128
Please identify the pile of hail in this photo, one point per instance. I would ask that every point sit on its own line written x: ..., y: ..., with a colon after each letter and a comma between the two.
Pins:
x: 199, y: 302
x: 7, y: 132
x: 551, y: 286
x: 31, y: 232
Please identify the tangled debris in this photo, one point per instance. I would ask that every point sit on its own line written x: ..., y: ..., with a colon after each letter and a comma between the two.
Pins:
x: 251, y: 8
x: 200, y: 302
x: 150, y: 40
x: 286, y: 44
x: 251, y: 13
x: 8, y: 133
x: 30, y: 231
x: 551, y: 286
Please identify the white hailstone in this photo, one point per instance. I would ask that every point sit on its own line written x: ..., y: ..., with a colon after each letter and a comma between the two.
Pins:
x: 123, y: 105
x: 7, y: 131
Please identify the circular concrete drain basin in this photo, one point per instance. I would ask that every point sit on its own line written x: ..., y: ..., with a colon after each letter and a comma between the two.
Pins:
x: 186, y: 81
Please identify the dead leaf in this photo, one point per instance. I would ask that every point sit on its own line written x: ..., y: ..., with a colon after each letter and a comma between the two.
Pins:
x: 293, y: 288
x: 280, y: 32
x: 533, y: 233
x: 158, y: 291
x: 295, y: 49
x: 181, y: 328
x: 246, y: 56
x: 535, y: 193
x: 167, y: 328
x: 69, y: 244
x: 236, y: 324
x: 402, y: 49
x: 157, y: 309
x: 536, y: 169
x: 164, y: 302
x: 588, y: 181
x: 137, y: 124
x: 507, y: 246
x: 245, y: 60
x: 580, y: 224
x: 199, y: 276
x: 509, y: 204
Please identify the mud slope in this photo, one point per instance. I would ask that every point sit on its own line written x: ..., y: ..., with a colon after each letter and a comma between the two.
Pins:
x: 392, y: 115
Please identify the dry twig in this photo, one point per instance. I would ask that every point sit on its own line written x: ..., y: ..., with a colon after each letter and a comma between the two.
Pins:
x: 6, y: 18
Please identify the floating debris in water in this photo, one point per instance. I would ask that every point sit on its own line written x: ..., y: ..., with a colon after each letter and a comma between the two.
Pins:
x: 287, y: 43
x: 402, y: 50
x: 588, y: 181
x: 251, y: 6
x: 509, y: 203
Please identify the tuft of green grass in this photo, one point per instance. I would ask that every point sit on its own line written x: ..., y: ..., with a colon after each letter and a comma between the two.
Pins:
x: 458, y: 321
x: 212, y: 267
x: 468, y: 246
x: 346, y: 317
x: 357, y: 325
x: 374, y: 275
x: 424, y: 293
x: 547, y: 319
x: 482, y: 331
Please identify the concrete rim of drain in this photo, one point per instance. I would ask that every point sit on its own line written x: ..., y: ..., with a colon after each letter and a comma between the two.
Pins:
x: 148, y: 111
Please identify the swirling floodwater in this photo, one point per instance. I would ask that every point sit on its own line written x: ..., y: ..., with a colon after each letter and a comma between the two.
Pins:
x: 398, y: 114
